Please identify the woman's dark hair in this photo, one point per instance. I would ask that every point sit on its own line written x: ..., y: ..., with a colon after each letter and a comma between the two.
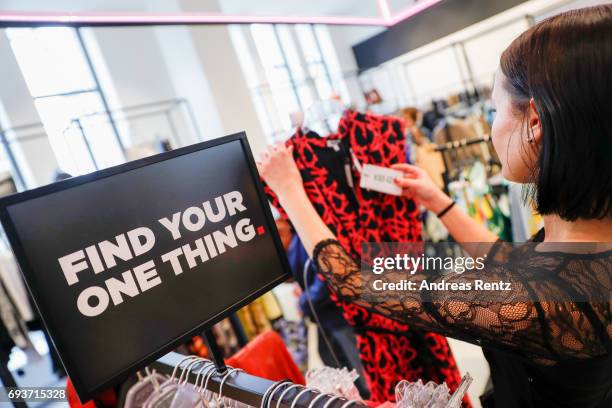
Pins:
x: 564, y: 64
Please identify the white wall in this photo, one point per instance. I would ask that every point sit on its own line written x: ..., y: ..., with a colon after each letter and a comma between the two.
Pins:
x: 434, y: 71
x: 35, y: 157
x: 132, y: 71
x: 188, y: 79
x: 569, y: 6
x: 204, y: 67
x: 343, y: 38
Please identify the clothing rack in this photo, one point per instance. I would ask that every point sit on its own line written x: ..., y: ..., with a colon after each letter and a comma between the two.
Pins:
x: 250, y: 390
x: 456, y: 144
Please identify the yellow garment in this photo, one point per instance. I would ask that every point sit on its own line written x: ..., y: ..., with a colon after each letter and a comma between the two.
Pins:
x: 431, y: 161
x: 259, y: 316
x: 246, y: 319
x: 271, y: 307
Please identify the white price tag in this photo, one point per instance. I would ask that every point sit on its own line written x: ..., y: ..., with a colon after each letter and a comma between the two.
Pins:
x: 380, y: 179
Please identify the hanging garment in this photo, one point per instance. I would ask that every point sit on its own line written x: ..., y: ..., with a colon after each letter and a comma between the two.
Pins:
x: 340, y: 349
x: 15, y: 286
x: 105, y: 399
x: 271, y: 306
x: 255, y: 317
x: 431, y: 161
x: 389, y: 351
x: 292, y: 327
x: 266, y: 356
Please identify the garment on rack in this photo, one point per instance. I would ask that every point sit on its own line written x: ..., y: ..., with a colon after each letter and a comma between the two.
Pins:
x: 316, y: 303
x: 389, y: 351
x: 454, y: 130
x: 431, y: 161
x: 15, y: 286
x: 266, y: 356
x: 292, y: 327
x: 271, y: 306
x: 525, y: 220
x: 295, y: 337
x: 12, y: 322
x: 257, y: 316
x: 484, y: 199
x: 105, y: 399
x: 224, y: 336
x: 15, y: 309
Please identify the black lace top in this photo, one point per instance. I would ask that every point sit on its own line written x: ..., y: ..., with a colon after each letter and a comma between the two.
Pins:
x: 542, y: 353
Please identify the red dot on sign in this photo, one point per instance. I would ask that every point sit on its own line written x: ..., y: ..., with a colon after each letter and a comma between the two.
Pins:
x: 260, y: 230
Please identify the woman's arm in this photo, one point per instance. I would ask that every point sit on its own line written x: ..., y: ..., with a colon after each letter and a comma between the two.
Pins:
x: 278, y: 168
x: 507, y: 319
x: 280, y: 172
x: 417, y: 185
x: 305, y: 219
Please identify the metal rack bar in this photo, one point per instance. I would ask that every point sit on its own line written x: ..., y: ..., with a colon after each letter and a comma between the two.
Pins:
x: 458, y: 144
x: 250, y: 389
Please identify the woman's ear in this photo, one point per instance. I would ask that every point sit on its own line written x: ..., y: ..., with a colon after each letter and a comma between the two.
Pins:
x: 535, y: 126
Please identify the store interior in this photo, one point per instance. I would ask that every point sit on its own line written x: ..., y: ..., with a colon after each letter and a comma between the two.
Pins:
x: 144, y: 77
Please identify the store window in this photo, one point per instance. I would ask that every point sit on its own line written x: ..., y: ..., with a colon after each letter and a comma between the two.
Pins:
x: 317, y: 68
x: 276, y: 55
x: 298, y: 68
x: 55, y: 68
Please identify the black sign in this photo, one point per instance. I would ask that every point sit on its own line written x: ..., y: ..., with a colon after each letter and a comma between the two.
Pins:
x: 126, y: 263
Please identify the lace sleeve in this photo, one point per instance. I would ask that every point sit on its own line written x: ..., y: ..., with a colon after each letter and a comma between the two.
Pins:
x: 545, y: 331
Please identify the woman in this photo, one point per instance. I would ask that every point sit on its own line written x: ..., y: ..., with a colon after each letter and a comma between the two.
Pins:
x: 414, y: 132
x: 553, y: 131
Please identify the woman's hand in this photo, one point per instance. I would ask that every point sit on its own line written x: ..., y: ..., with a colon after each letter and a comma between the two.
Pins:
x: 417, y: 185
x: 277, y: 167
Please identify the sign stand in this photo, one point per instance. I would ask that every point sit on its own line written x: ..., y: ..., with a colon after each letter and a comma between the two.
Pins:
x: 238, y: 330
x: 215, y: 351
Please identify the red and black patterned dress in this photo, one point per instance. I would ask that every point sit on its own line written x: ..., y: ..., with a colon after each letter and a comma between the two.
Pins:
x: 389, y: 351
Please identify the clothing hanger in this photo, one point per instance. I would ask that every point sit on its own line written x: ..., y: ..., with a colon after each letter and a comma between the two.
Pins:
x: 297, y: 397
x: 186, y: 395
x: 176, y: 367
x: 315, y: 399
x: 197, y: 386
x: 153, y: 377
x: 230, y: 371
x: 163, y: 397
x: 139, y: 393
x: 332, y: 399
x: 271, y: 389
x: 274, y: 390
x: 205, y: 369
x: 348, y: 403
x: 159, y: 392
x: 187, y: 370
x: 203, y: 390
x: 280, y: 399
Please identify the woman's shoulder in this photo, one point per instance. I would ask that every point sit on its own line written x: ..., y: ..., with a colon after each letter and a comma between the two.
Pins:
x: 556, y: 272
